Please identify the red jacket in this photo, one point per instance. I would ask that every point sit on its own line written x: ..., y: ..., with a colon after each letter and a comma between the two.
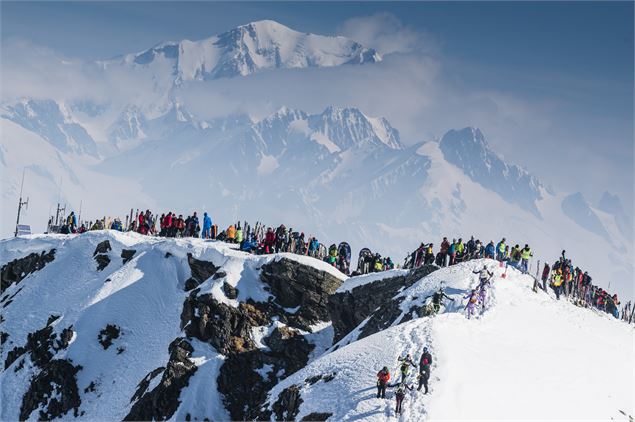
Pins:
x: 445, y: 246
x: 270, y: 238
x: 383, y: 377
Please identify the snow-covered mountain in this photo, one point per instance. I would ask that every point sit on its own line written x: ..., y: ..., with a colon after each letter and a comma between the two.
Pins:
x: 248, y: 49
x: 113, y: 326
x: 337, y: 173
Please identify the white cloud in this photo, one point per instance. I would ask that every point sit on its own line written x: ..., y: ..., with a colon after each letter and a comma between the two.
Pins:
x: 387, y: 34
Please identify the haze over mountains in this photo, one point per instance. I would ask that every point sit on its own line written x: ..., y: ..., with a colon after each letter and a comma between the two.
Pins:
x: 337, y: 173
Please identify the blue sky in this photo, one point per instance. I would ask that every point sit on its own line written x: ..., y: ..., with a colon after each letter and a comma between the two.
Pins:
x: 567, y: 66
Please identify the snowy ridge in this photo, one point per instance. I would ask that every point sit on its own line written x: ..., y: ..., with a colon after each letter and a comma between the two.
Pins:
x: 493, y: 366
x: 496, y: 366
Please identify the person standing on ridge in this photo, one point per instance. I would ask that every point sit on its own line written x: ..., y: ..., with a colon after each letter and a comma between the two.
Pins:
x: 207, y: 226
x: 525, y: 254
x: 383, y: 377
x: 424, y: 369
x: 500, y: 250
x: 445, y: 245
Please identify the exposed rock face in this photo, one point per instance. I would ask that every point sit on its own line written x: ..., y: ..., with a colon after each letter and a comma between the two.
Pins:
x: 349, y: 309
x: 101, y: 255
x: 16, y: 270
x: 107, y: 335
x: 163, y: 400
x: 127, y: 255
x: 53, y: 389
x: 201, y: 271
x: 315, y: 417
x: 230, y: 330
x: 295, y: 285
x: 287, y: 406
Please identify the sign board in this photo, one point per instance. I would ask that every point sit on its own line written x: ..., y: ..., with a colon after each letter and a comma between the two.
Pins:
x: 24, y: 229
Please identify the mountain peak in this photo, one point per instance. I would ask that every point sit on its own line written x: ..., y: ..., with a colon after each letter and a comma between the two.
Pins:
x: 248, y: 49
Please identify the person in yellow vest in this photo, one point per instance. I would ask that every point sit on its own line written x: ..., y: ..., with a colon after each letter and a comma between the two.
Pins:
x: 557, y: 283
x: 460, y: 249
x: 239, y: 234
x: 525, y: 254
x: 231, y: 234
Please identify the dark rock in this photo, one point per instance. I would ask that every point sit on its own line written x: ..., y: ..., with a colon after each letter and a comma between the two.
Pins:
x: 163, y: 400
x: 143, y: 385
x: 102, y: 248
x: 3, y: 337
x: 42, y: 345
x: 287, y: 406
x: 16, y: 270
x: 201, y: 271
x: 296, y: 285
x: 54, y: 389
x: 168, y: 254
x: 127, y: 255
x: 230, y: 291
x: 316, y: 417
x: 107, y: 335
x: 349, y: 309
x: 120, y: 350
x: 326, y: 378
x: 219, y: 274
x: 101, y: 255
x: 92, y: 387
x: 10, y: 298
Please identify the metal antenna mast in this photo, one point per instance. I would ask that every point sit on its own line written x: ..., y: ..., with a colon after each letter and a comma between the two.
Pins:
x: 20, y: 204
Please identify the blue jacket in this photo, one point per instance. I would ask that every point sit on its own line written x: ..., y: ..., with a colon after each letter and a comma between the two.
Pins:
x: 207, y: 222
x: 489, y: 249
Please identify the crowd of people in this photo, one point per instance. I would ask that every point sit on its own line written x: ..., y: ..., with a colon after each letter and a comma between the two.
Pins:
x: 576, y: 285
x: 457, y: 251
x: 562, y: 277
x: 402, y: 385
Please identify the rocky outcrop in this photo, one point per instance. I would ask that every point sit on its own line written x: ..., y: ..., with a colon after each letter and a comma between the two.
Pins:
x: 16, y: 270
x: 287, y: 406
x: 163, y: 400
x: 108, y: 334
x: 201, y: 271
x: 101, y: 255
x: 316, y: 417
x: 251, y: 369
x: 300, y: 286
x: 53, y: 388
x: 127, y: 255
x: 349, y: 309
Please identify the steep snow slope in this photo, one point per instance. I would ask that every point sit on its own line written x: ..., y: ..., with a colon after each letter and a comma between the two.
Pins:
x: 526, y: 357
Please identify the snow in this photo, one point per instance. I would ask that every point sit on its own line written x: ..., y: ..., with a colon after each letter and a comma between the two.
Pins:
x: 526, y: 357
x: 361, y: 280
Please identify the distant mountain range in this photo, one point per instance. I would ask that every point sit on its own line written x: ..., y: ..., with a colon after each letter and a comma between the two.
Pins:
x: 338, y: 174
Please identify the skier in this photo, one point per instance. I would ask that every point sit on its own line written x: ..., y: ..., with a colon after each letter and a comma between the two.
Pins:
x: 437, y: 298
x: 515, y: 256
x: 383, y: 377
x: 472, y: 300
x: 406, y: 362
x: 71, y: 221
x: 557, y: 283
x: 239, y: 234
x: 483, y: 275
x: 424, y: 369
x: 452, y: 252
x: 400, y: 394
x: 525, y: 254
x: 207, y: 226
